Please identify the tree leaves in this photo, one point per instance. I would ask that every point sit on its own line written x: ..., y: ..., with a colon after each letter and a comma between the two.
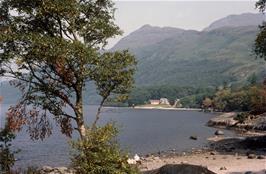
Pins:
x: 55, y: 47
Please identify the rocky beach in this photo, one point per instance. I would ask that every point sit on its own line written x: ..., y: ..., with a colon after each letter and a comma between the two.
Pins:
x: 244, y: 154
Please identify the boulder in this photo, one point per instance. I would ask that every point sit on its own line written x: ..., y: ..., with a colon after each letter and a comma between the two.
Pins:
x: 181, y: 169
x: 248, y: 172
x: 219, y: 132
x: 261, y: 157
x: 193, y: 137
x: 251, y: 156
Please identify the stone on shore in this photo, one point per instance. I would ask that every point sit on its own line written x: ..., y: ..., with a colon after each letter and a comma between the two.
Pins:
x: 219, y: 132
x: 55, y: 170
x: 181, y: 169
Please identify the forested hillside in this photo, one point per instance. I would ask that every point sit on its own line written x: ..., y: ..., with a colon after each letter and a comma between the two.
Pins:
x: 177, y: 59
x: 196, y: 58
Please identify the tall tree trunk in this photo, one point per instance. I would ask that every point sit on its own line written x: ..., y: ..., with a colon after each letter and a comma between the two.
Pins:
x: 79, y: 115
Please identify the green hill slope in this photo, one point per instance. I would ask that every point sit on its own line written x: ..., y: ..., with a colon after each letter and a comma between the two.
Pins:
x: 193, y: 58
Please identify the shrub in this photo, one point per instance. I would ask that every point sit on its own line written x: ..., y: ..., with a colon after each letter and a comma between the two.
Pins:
x: 241, y: 117
x: 7, y: 156
x: 99, y: 153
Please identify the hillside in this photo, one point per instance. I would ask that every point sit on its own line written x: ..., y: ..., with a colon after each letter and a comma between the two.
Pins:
x: 246, y: 19
x: 175, y: 57
x: 194, y: 58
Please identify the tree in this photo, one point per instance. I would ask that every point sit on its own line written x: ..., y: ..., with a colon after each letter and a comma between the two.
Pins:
x: 260, y: 42
x: 52, y: 49
x: 257, y: 96
x: 7, y: 156
x: 207, y: 103
x: 252, y: 80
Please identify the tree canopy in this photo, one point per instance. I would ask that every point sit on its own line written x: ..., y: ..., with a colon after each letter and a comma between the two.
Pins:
x: 52, y: 49
x: 260, y: 42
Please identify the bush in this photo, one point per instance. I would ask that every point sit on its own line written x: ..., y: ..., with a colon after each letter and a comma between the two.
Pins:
x: 99, y: 153
x: 241, y: 117
x: 7, y: 157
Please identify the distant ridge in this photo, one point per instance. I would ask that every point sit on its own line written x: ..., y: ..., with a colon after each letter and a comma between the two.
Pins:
x: 222, y: 53
x: 245, y: 19
x: 146, y: 35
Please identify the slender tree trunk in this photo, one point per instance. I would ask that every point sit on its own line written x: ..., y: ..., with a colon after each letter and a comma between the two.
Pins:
x: 79, y: 115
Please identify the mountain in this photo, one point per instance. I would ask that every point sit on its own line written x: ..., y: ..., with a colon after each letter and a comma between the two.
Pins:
x: 246, y: 19
x: 210, y: 57
x: 222, y: 53
x: 147, y: 35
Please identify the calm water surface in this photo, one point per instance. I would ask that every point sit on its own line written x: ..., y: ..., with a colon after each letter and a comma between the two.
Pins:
x: 142, y: 132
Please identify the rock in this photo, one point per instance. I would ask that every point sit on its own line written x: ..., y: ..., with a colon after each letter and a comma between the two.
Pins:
x: 156, y: 158
x: 223, y: 168
x: 251, y: 156
x: 181, y: 169
x: 261, y: 157
x: 193, y: 137
x: 218, y: 132
x: 136, y: 157
x: 248, y: 172
x: 131, y: 161
x: 55, y: 170
x: 213, y: 153
x: 47, y: 169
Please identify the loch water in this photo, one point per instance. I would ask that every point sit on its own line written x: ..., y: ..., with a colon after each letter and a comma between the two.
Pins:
x: 141, y: 131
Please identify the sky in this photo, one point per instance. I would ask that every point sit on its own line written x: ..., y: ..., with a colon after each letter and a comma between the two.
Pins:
x: 196, y: 15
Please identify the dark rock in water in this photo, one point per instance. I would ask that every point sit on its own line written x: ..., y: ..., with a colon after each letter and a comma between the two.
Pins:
x: 181, y: 169
x: 219, y: 132
x: 193, y: 137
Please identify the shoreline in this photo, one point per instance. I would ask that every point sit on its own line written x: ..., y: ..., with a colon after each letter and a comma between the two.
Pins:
x: 225, y: 155
x: 243, y: 154
x: 155, y: 108
x: 214, y: 161
x: 166, y: 108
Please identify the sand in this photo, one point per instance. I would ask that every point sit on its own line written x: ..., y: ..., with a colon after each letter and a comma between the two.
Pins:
x: 218, y: 163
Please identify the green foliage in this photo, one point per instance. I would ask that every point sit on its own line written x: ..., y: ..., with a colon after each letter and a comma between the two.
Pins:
x: 99, y: 153
x: 253, y: 79
x: 260, y: 42
x: 56, y: 47
x: 207, y: 103
x: 142, y: 95
x: 193, y: 58
x: 257, y: 98
x: 241, y: 117
x: 249, y: 98
x: 7, y: 158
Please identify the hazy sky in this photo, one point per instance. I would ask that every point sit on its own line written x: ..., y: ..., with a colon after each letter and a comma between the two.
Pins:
x: 131, y: 15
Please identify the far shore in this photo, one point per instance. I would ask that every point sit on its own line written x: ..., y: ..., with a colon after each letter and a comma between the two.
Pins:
x: 159, y: 107
x: 167, y: 108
